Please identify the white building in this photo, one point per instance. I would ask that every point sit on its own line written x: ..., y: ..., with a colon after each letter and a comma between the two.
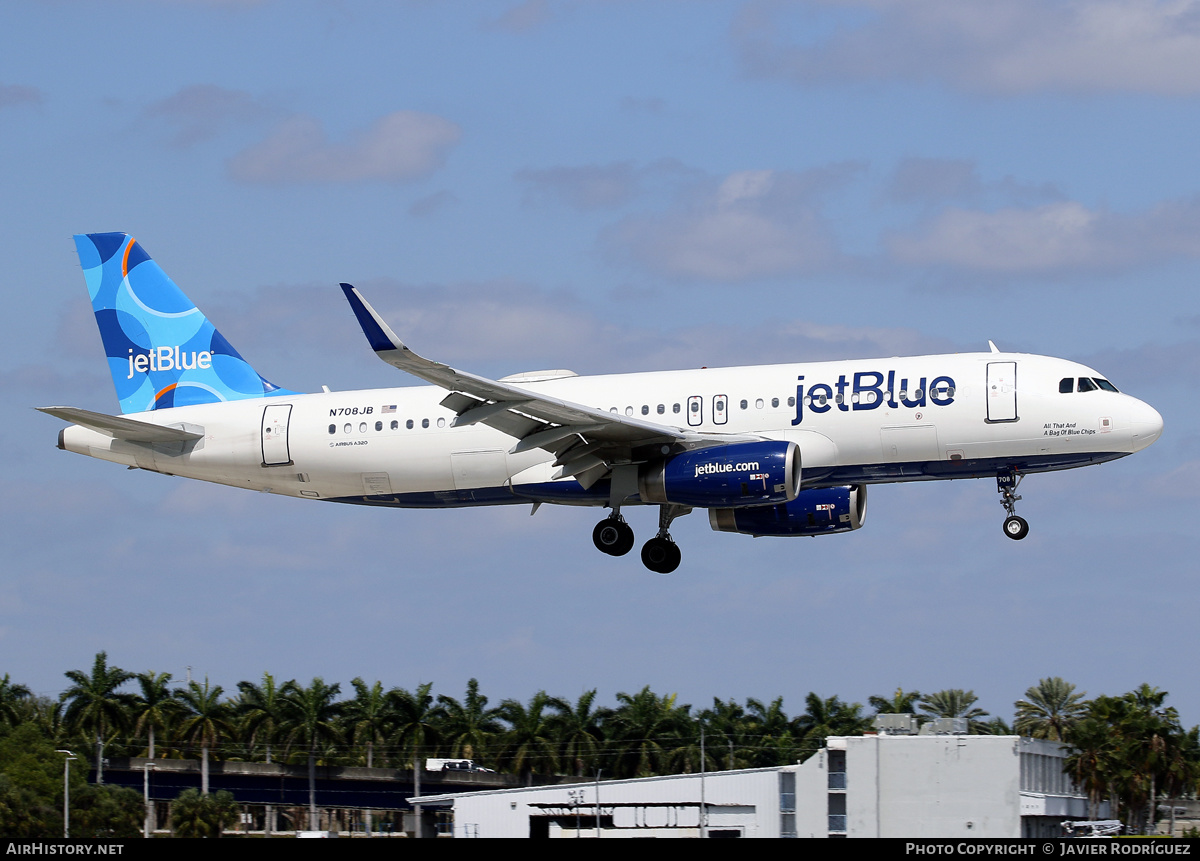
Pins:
x: 859, y: 786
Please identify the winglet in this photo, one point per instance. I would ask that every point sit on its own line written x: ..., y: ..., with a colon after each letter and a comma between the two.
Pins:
x: 381, y: 338
x: 991, y: 346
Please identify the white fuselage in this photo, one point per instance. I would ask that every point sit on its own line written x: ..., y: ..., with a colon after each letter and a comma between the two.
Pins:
x: 859, y: 421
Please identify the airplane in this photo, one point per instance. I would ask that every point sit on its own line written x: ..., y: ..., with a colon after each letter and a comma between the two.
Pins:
x: 768, y: 450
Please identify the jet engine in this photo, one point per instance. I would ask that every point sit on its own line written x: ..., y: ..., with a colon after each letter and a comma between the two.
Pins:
x: 733, y: 475
x: 818, y: 511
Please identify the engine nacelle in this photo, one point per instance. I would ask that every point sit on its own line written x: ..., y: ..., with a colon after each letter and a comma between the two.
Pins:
x: 818, y: 511
x: 745, y: 473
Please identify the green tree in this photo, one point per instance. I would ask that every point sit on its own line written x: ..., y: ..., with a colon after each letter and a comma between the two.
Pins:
x: 12, y: 701
x: 469, y: 727
x: 311, y: 717
x: 902, y: 702
x: 823, y: 718
x: 644, y: 731
x: 529, y: 745
x: 1049, y: 710
x: 579, y: 730
x: 260, y: 710
x: 31, y: 784
x: 95, y: 706
x: 368, y: 717
x: 953, y: 703
x: 195, y: 814
x: 769, y: 723
x: 205, y: 722
x: 417, y: 729
x: 153, y: 707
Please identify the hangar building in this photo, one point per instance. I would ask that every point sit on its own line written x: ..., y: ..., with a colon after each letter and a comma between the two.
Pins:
x: 882, y: 785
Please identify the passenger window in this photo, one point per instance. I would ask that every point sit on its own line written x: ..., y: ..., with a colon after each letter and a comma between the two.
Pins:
x: 1086, y: 385
x: 695, y: 406
x: 378, y: 426
x: 791, y: 402
x: 424, y: 423
x: 347, y: 427
x: 675, y: 408
x: 409, y: 424
x: 662, y: 408
x: 774, y: 403
x: 441, y: 422
x: 645, y: 409
x: 395, y: 424
x: 1066, y: 385
x: 333, y: 428
x: 362, y: 427
x: 758, y: 405
x: 628, y: 411
x: 744, y: 404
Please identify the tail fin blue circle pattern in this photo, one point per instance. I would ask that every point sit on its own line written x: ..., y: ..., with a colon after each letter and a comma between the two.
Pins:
x: 162, y: 351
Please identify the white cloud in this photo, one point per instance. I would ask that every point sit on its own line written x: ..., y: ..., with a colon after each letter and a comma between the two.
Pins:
x: 750, y: 224
x: 1053, y: 237
x: 1006, y: 46
x: 202, y: 111
x: 399, y: 146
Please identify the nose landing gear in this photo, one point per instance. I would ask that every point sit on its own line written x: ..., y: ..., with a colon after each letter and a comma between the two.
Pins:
x: 1015, y: 527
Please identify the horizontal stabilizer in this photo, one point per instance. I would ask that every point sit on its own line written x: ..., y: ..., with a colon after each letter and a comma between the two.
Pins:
x: 119, y: 427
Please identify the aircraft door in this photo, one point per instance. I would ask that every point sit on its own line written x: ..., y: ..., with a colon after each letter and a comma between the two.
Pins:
x: 720, y: 409
x: 1002, y: 392
x: 695, y: 410
x: 275, y: 435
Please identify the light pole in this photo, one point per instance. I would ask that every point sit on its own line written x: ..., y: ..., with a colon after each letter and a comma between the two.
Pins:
x: 146, y: 769
x: 67, y: 792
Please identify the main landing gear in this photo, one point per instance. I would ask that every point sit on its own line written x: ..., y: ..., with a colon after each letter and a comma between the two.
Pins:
x: 1015, y: 527
x: 613, y: 536
x: 660, y: 554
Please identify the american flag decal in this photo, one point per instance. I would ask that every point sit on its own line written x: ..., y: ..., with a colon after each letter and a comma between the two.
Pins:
x: 388, y: 408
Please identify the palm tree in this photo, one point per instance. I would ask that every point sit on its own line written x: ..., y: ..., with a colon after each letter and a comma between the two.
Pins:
x: 469, y: 727
x: 206, y: 720
x: 770, y: 724
x: 902, y: 702
x: 12, y: 698
x: 260, y: 709
x: 644, y: 730
x: 368, y: 717
x: 417, y: 727
x: 579, y: 730
x: 953, y: 703
x: 530, y: 744
x: 827, y: 717
x: 154, y: 707
x: 95, y: 706
x: 725, y: 727
x: 1049, y: 709
x: 311, y: 717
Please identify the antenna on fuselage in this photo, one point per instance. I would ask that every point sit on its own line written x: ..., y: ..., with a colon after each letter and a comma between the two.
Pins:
x: 993, y: 347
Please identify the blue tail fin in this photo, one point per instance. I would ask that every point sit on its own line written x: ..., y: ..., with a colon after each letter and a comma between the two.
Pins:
x: 162, y: 351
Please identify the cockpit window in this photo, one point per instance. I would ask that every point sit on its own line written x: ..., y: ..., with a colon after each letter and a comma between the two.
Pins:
x: 1086, y: 385
x: 1104, y: 384
x: 1066, y: 385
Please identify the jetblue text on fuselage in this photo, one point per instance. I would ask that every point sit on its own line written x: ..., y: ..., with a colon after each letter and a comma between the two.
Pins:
x: 711, y: 468
x: 168, y: 359
x: 870, y: 390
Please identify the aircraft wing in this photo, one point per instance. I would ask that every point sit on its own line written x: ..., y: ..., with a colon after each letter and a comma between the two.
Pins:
x: 121, y: 427
x: 587, y: 441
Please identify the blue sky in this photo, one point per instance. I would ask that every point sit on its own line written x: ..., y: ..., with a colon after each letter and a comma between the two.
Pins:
x: 609, y: 186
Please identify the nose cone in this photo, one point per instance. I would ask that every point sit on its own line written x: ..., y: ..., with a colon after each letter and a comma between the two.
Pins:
x: 1145, y: 425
